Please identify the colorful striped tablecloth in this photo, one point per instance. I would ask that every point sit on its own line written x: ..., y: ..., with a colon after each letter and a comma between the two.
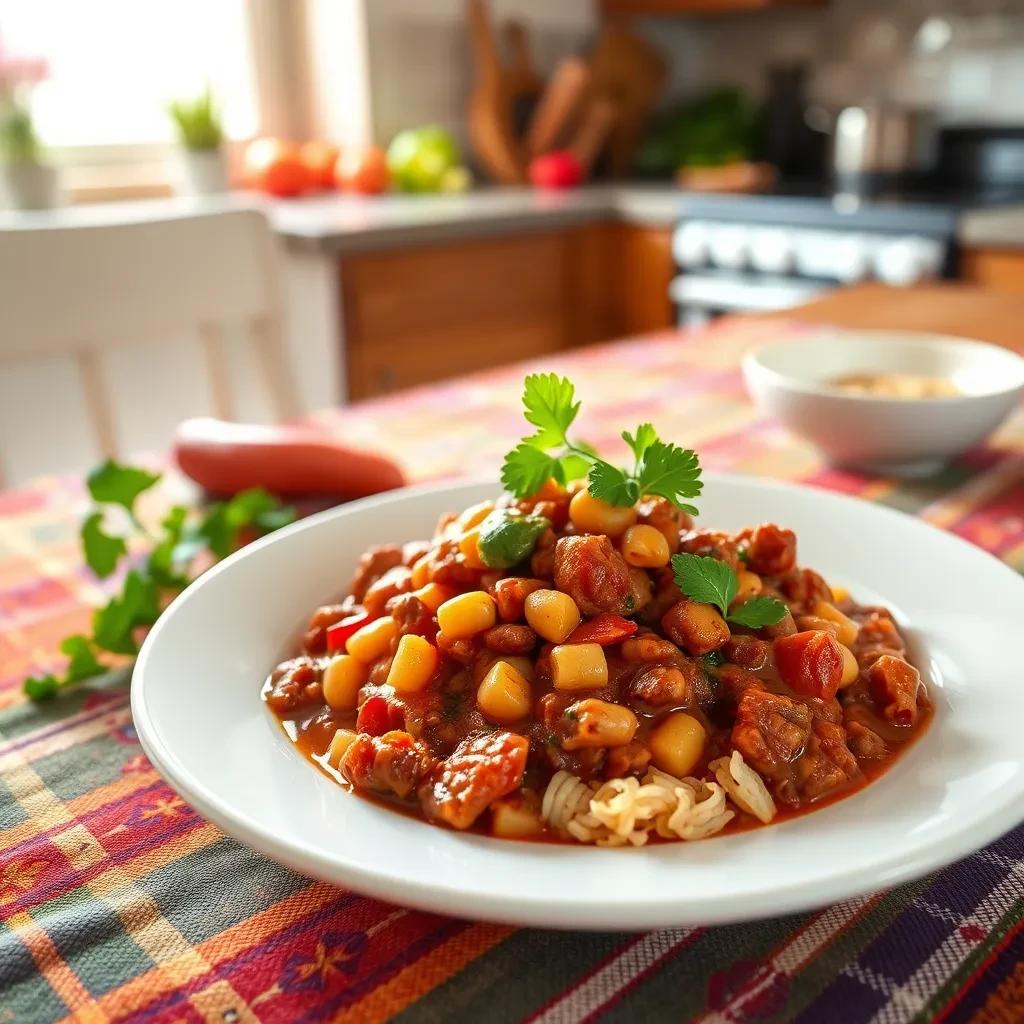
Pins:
x: 119, y: 902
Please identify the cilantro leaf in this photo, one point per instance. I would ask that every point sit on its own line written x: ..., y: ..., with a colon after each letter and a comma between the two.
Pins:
x: 113, y: 625
x: 526, y: 469
x: 646, y: 435
x: 115, y: 484
x: 549, y: 406
x: 611, y: 484
x: 102, y: 550
x: 669, y: 472
x: 164, y: 558
x: 572, y: 467
x: 705, y: 579
x: 83, y: 663
x: 758, y: 611
x: 41, y: 687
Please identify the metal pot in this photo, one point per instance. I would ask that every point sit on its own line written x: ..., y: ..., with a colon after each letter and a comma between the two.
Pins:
x: 877, y: 140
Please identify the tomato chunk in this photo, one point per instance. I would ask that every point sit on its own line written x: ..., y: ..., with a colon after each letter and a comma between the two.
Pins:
x: 379, y: 715
x: 605, y: 629
x: 339, y: 632
x: 810, y: 662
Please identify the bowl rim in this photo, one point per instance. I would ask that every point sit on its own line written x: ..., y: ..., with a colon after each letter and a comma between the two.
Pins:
x: 753, y: 364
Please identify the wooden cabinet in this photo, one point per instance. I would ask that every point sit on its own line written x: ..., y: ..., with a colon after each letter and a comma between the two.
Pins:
x: 429, y: 312
x: 997, y: 269
x: 612, y: 8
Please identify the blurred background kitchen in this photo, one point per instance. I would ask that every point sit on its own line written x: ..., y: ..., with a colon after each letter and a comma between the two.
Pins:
x: 452, y: 185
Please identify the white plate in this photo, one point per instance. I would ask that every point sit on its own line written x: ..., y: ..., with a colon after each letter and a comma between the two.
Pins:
x: 196, y: 702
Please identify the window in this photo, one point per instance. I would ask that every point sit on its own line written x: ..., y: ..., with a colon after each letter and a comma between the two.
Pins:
x: 114, y: 65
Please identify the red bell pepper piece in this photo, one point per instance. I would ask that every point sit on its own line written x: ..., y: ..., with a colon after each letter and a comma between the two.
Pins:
x: 604, y: 629
x: 338, y: 634
x: 379, y: 715
x: 810, y: 662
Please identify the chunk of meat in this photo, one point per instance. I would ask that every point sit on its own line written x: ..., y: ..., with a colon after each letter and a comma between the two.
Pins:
x: 894, y: 685
x: 605, y: 630
x: 594, y: 575
x: 696, y: 627
x: 651, y: 647
x: 864, y: 743
x: 413, y: 616
x: 666, y: 593
x: 372, y: 566
x: 680, y: 685
x: 640, y: 590
x: 314, y: 640
x: 479, y: 771
x: 825, y: 764
x: 392, y: 763
x: 803, y: 589
x: 877, y: 630
x: 771, y: 732
x: 447, y: 565
x: 542, y: 561
x: 413, y: 551
x: 460, y: 649
x: 510, y: 639
x: 632, y: 759
x: 734, y: 681
x: 771, y: 550
x: 394, y: 582
x: 669, y: 520
x: 748, y: 652
x: 712, y: 544
x: 786, y: 626
x: 510, y: 595
x: 296, y: 684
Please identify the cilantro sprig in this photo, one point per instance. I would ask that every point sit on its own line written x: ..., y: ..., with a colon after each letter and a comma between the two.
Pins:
x: 549, y: 404
x: 709, y: 581
x: 183, y: 546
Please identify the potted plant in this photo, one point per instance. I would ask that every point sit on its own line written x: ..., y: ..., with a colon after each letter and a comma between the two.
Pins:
x: 26, y: 181
x: 201, y: 161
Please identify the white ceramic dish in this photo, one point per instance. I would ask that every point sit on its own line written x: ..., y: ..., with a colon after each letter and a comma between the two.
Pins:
x: 196, y: 703
x: 889, y: 435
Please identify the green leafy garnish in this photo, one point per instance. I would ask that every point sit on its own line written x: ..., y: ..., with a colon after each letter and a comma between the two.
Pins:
x: 549, y: 404
x: 155, y: 578
x: 709, y: 581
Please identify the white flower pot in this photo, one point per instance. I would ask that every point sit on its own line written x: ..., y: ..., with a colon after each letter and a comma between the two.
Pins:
x: 28, y: 186
x: 201, y: 172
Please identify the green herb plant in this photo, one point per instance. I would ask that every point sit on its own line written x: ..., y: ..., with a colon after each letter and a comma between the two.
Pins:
x: 19, y: 143
x: 709, y: 581
x: 184, y: 544
x: 198, y: 121
x: 549, y: 403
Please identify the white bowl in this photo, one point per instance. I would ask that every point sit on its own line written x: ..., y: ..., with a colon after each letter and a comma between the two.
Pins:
x: 196, y: 704
x: 888, y: 435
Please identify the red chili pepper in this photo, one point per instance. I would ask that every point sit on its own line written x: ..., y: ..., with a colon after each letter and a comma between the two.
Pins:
x: 338, y: 634
x: 810, y: 662
x: 379, y: 715
x: 604, y: 629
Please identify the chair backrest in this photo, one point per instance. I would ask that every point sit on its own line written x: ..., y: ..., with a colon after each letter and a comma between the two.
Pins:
x: 77, y: 291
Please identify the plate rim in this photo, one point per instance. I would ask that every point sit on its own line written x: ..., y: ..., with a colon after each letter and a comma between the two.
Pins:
x: 542, y: 911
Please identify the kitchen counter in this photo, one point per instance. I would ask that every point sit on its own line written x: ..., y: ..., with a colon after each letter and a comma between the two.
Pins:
x: 338, y: 224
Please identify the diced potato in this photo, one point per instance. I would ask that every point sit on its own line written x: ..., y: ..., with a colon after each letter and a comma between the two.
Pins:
x: 514, y: 817
x: 373, y: 641
x: 474, y: 515
x: 413, y: 665
x: 599, y: 723
x: 850, y: 667
x: 748, y: 584
x: 466, y: 615
x: 340, y: 742
x: 592, y: 515
x: 342, y: 679
x: 579, y: 667
x: 677, y: 744
x: 847, y: 629
x: 552, y: 614
x: 504, y: 695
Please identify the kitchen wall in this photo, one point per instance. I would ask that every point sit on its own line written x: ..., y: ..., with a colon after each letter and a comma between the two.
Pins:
x: 964, y: 58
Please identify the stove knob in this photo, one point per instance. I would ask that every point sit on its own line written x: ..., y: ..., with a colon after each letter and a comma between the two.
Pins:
x: 690, y: 244
x: 906, y: 261
x: 852, y: 259
x: 728, y: 246
x: 772, y: 250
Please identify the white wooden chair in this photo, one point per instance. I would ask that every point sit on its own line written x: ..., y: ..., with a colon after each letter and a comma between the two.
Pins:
x: 80, y: 291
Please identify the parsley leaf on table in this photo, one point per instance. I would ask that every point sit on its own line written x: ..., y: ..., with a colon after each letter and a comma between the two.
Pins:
x: 102, y: 550
x: 709, y: 581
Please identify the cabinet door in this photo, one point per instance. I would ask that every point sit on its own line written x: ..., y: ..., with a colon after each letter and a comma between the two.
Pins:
x: 644, y: 267
x: 431, y: 312
x: 999, y: 269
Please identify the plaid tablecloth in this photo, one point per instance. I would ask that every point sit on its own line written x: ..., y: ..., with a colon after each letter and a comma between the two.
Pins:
x: 119, y: 902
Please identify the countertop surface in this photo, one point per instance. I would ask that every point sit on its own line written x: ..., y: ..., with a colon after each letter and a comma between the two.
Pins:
x: 346, y: 223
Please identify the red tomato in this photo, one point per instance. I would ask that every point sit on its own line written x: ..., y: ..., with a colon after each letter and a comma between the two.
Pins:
x: 379, y: 715
x: 604, y: 629
x: 319, y: 158
x: 275, y: 166
x: 559, y: 169
x: 810, y: 662
x: 338, y: 634
x: 363, y: 171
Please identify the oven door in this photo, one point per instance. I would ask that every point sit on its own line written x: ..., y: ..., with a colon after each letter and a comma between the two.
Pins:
x: 699, y: 297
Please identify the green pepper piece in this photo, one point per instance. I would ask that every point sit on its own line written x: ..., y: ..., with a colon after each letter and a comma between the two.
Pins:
x: 507, y: 537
